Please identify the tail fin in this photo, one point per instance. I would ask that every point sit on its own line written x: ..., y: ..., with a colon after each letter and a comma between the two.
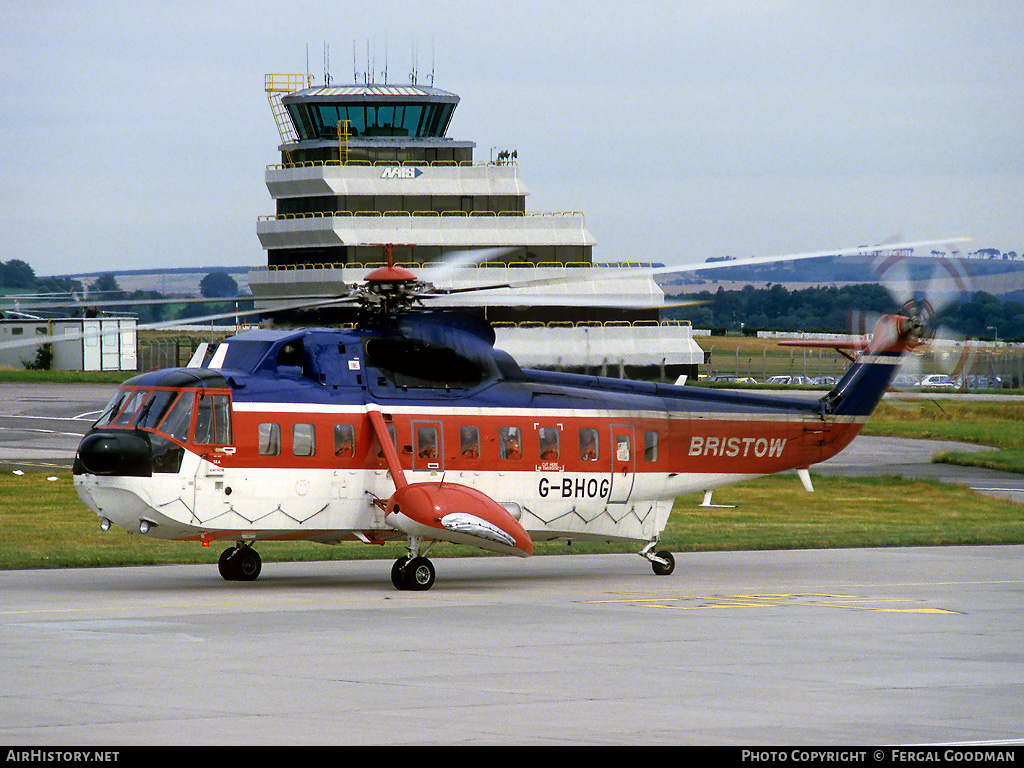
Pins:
x: 860, y: 390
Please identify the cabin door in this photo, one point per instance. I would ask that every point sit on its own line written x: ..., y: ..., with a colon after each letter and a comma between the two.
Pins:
x: 623, y: 463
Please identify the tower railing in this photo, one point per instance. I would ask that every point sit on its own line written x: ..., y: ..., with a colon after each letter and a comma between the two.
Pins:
x: 276, y: 86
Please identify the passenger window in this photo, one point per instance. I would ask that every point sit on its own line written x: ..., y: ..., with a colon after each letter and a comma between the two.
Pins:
x: 589, y: 449
x: 549, y: 448
x: 344, y: 441
x: 270, y: 439
x: 469, y: 442
x: 622, y: 451
x: 426, y: 442
x: 303, y: 440
x: 650, y: 446
x: 511, y: 443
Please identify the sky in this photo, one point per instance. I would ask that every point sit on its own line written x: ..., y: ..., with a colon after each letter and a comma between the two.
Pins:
x: 136, y: 134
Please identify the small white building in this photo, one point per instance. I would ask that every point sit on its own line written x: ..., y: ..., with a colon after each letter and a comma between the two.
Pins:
x: 79, y: 344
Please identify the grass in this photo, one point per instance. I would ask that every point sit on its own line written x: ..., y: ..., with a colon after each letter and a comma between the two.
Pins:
x: 20, y: 376
x: 999, y: 424
x: 46, y: 525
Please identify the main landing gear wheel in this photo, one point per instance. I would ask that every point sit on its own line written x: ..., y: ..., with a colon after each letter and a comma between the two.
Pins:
x: 240, y: 564
x: 667, y: 566
x: 412, y: 573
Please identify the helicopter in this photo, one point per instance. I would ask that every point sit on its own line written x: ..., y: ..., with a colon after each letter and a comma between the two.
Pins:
x: 413, y: 427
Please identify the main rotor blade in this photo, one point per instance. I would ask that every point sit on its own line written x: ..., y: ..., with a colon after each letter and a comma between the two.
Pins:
x: 626, y: 272
x: 77, y: 335
x: 129, y: 302
x: 454, y: 262
x: 559, y: 300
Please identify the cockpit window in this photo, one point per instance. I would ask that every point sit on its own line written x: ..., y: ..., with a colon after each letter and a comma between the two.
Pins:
x: 178, y: 418
x: 213, y: 420
x: 170, y: 412
x: 124, y: 418
x: 154, y: 408
x: 112, y: 408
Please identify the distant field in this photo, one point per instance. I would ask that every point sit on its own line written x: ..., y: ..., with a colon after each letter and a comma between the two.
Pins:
x: 749, y: 356
x: 757, y: 358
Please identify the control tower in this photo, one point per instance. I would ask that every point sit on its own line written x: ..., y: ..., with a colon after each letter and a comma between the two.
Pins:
x: 365, y: 167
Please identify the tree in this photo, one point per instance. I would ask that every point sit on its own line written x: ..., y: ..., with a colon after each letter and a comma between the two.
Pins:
x: 218, y: 285
x: 16, y: 274
x: 106, y: 284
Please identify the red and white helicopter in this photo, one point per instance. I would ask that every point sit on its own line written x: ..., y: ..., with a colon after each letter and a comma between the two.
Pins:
x: 412, y: 426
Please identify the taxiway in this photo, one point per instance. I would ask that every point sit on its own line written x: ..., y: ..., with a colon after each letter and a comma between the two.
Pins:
x: 867, y: 646
x: 864, y: 646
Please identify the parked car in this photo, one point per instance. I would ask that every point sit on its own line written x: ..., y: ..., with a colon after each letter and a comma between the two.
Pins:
x: 823, y: 381
x: 723, y: 378
x: 983, y: 382
x: 907, y: 380
x: 939, y: 381
x: 804, y: 380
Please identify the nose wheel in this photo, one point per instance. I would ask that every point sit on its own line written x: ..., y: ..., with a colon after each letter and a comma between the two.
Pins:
x: 240, y: 564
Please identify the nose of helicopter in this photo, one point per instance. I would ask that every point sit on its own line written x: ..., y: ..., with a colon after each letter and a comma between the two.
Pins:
x: 115, y: 452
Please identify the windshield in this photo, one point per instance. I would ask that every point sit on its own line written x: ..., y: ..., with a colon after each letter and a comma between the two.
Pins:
x: 170, y: 411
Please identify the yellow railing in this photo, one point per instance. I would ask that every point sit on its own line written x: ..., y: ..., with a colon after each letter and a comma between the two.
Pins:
x: 527, y: 324
x: 435, y: 214
x: 489, y: 264
x: 383, y: 163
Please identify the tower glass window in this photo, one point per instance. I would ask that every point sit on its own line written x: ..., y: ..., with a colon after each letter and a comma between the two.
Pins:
x: 321, y: 120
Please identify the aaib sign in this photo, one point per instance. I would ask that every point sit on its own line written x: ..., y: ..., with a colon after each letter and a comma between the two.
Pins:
x: 401, y: 172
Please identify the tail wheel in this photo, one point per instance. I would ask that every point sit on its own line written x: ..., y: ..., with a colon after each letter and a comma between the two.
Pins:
x: 667, y: 564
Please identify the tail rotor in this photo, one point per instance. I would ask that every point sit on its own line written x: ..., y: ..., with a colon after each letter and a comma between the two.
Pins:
x: 923, y: 288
